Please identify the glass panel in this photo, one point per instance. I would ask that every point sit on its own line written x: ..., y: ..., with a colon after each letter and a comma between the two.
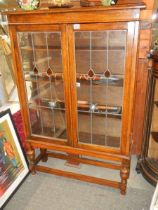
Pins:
x: 153, y: 139
x: 43, y: 73
x: 100, y: 65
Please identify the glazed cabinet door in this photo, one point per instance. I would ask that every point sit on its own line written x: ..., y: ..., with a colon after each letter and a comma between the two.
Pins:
x: 103, y: 85
x: 43, y: 75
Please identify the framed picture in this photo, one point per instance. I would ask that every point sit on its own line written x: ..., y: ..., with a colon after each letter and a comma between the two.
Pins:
x: 13, y: 164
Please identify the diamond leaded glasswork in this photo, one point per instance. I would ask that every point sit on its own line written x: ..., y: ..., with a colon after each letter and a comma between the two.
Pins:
x: 100, y: 93
x: 43, y: 76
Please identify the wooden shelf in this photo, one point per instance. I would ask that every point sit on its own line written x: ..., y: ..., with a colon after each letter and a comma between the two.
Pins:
x: 54, y: 48
x: 102, y: 114
x: 83, y: 78
x: 102, y: 110
x: 100, y: 48
x: 40, y: 48
x: 123, y: 5
x: 43, y: 77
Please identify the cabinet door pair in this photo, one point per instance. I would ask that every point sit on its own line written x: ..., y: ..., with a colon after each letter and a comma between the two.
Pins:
x: 79, y: 81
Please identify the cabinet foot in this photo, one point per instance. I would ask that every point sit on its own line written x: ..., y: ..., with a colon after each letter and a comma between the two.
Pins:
x: 44, y: 155
x: 31, y: 157
x: 124, y: 173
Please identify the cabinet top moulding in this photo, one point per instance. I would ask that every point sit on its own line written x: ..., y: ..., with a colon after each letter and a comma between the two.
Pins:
x: 120, y: 12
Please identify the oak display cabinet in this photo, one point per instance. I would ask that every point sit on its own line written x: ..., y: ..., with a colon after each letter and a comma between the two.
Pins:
x: 75, y: 70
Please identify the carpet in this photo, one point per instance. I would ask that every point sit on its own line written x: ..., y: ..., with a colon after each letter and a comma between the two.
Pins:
x: 50, y: 192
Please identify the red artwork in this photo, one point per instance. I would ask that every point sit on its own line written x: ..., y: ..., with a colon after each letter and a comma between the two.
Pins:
x: 19, y: 127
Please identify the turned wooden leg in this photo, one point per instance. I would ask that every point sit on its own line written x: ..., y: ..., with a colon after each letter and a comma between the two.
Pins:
x: 44, y: 156
x: 124, y: 173
x: 31, y: 157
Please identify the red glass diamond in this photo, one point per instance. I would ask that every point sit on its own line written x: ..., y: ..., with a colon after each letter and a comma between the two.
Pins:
x: 107, y: 73
x: 35, y: 70
x: 91, y: 73
x: 49, y: 72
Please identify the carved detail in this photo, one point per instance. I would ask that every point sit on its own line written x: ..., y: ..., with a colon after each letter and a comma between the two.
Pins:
x: 124, y: 173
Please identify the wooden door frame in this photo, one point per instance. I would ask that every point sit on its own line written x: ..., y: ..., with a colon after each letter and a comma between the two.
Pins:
x: 129, y: 83
x: 18, y: 71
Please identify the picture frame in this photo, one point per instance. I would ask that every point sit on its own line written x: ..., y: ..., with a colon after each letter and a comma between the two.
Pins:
x: 13, y: 163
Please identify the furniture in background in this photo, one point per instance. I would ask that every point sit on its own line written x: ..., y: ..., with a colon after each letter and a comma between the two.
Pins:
x: 148, y: 161
x: 145, y: 37
x: 75, y: 70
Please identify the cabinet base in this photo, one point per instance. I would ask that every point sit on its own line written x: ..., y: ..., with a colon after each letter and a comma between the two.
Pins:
x: 123, y: 167
x: 77, y: 176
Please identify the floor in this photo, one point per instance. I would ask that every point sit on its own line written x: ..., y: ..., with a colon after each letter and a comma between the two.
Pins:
x: 50, y: 192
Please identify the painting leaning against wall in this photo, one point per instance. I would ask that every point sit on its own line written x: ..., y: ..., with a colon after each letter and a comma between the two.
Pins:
x: 13, y: 164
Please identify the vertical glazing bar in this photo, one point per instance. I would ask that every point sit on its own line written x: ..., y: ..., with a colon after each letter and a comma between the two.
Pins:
x: 36, y: 78
x: 53, y: 113
x: 90, y: 91
x: 91, y: 115
x: 90, y: 49
x: 50, y: 86
x: 106, y: 98
x: 46, y: 35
